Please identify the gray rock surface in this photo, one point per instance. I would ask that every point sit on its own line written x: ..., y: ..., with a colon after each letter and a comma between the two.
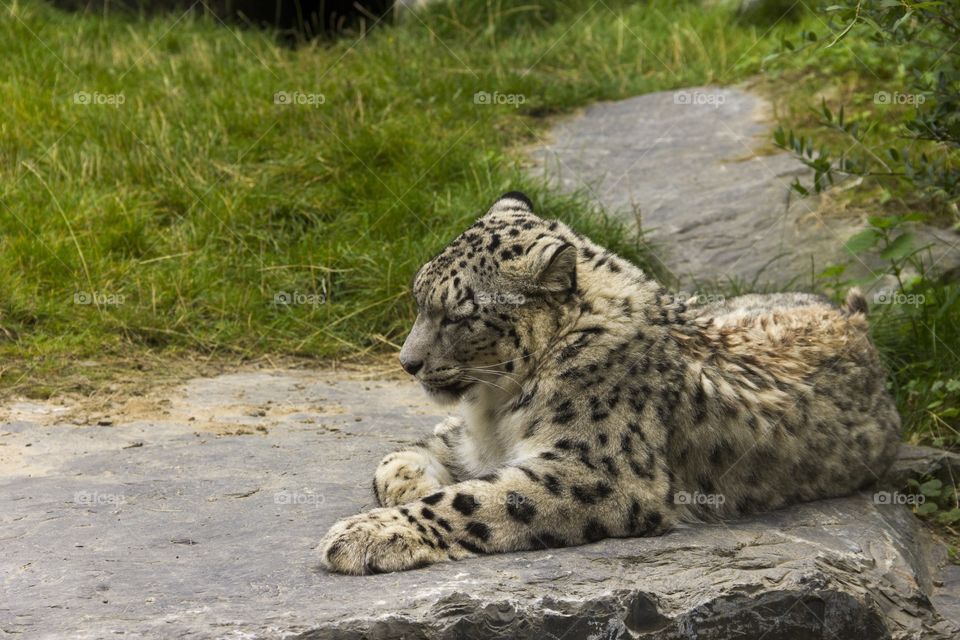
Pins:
x: 198, y: 519
x: 921, y: 462
x: 688, y: 165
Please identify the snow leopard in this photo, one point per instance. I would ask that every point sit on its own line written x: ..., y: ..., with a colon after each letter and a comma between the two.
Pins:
x: 591, y: 403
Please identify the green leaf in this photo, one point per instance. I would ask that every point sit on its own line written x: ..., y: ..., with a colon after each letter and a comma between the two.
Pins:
x: 866, y: 281
x: 876, y: 27
x: 900, y: 248
x: 833, y: 271
x: 949, y: 517
x: 931, y: 488
x: 927, y: 508
x: 862, y: 241
x: 842, y: 34
x: 881, y: 222
x: 906, y: 16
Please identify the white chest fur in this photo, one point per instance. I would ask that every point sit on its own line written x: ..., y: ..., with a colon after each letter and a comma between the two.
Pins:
x: 491, y: 439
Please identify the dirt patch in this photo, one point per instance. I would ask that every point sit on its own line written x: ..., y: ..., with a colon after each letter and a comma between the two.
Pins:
x: 125, y: 390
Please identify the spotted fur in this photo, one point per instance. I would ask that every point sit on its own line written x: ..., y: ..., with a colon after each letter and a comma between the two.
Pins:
x: 595, y: 405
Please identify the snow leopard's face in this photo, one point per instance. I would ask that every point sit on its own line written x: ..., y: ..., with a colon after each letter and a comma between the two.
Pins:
x: 484, y: 299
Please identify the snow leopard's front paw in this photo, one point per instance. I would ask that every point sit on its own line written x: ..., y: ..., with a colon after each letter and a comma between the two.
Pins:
x: 405, y: 476
x: 378, y: 541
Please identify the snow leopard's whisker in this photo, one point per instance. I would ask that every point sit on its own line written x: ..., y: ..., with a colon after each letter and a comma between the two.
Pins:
x: 498, y: 364
x: 510, y: 383
x: 478, y: 370
x: 486, y: 382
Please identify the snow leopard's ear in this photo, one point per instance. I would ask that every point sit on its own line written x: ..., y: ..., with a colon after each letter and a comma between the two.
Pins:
x: 512, y: 201
x: 548, y: 265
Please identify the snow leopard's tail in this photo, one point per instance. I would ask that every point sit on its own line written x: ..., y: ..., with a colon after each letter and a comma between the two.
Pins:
x: 856, y: 302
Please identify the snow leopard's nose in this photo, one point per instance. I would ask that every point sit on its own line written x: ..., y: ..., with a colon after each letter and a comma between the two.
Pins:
x: 411, y: 366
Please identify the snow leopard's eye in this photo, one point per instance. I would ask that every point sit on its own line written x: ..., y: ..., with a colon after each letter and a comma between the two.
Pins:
x: 462, y: 311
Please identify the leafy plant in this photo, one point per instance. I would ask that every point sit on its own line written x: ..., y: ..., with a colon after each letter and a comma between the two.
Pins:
x: 926, y: 115
x: 940, y: 502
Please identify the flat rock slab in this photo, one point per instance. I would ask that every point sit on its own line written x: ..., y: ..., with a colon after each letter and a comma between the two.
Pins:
x: 688, y: 166
x: 201, y: 522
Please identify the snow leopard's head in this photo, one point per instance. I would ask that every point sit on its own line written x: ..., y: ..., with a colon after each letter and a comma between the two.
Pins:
x: 491, y: 299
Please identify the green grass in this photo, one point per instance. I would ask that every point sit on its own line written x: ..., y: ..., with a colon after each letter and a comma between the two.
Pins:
x: 198, y: 199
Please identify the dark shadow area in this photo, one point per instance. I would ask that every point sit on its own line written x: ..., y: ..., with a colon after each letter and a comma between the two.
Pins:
x: 293, y: 19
